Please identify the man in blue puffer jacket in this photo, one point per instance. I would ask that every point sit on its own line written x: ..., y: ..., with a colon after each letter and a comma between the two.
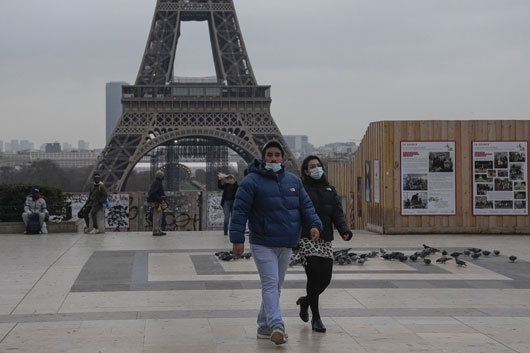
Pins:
x: 275, y: 204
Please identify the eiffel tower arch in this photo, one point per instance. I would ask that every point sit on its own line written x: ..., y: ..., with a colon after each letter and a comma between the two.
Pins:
x: 233, y: 110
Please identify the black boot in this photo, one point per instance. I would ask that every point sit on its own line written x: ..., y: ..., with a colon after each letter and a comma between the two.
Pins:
x: 304, y: 306
x: 317, y: 325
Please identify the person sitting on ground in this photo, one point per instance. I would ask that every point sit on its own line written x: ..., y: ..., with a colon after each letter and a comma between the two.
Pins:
x: 229, y: 185
x: 96, y: 199
x: 35, y: 205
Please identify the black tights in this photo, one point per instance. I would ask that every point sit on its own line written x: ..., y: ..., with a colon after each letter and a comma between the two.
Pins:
x: 318, y: 271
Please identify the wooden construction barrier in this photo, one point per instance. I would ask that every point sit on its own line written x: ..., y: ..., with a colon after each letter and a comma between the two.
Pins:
x: 381, y: 145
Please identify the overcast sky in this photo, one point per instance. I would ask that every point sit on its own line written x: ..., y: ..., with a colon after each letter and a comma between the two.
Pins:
x: 334, y: 65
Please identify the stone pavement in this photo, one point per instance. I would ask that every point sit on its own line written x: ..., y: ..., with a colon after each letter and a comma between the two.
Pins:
x: 134, y: 293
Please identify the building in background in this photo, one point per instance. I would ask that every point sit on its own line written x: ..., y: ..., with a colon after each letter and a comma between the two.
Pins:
x: 337, y: 150
x: 14, y: 146
x: 62, y: 159
x: 299, y: 145
x: 113, y: 107
x: 25, y: 145
x: 82, y: 145
x: 1, y: 146
x: 54, y: 147
x: 67, y: 147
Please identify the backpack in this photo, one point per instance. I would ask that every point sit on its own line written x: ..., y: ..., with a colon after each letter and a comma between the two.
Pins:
x: 33, y: 226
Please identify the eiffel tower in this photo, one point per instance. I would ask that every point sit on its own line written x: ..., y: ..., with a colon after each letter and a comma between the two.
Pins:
x: 233, y: 110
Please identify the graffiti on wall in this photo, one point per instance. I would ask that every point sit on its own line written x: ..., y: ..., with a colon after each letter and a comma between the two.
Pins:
x: 131, y: 211
x: 181, y: 212
x: 117, y: 216
x: 75, y: 202
x: 215, y: 211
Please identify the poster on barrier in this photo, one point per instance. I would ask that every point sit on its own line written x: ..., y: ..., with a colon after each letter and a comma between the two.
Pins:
x: 428, y: 178
x: 500, y: 178
x: 377, y: 191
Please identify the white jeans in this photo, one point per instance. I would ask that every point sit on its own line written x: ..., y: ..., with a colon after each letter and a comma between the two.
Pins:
x: 272, y: 265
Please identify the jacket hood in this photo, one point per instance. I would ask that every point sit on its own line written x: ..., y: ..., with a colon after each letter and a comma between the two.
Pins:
x: 258, y: 166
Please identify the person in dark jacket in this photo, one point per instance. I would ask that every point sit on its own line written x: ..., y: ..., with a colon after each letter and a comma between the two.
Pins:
x: 275, y: 204
x: 229, y: 185
x: 97, y: 197
x: 156, y: 197
x: 317, y: 257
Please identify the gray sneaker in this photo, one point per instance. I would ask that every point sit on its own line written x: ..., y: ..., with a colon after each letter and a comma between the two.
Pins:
x: 278, y: 336
x: 265, y: 332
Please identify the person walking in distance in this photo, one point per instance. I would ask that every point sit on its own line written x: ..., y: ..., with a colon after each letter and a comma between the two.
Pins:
x: 275, y: 204
x: 156, y: 197
x: 317, y: 256
x: 96, y: 199
x: 229, y: 185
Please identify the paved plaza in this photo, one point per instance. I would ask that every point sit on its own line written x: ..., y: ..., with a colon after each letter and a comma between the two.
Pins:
x: 135, y: 293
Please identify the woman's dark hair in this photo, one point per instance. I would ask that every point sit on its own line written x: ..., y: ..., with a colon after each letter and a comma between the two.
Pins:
x: 304, y: 166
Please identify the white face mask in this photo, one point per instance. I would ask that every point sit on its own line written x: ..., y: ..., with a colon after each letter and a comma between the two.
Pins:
x: 275, y: 167
x: 316, y: 173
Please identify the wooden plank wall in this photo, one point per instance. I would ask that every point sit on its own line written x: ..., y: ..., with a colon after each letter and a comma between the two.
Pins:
x: 382, y: 141
x: 370, y: 149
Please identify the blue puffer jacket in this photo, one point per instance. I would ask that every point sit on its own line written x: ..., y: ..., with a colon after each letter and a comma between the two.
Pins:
x: 275, y: 206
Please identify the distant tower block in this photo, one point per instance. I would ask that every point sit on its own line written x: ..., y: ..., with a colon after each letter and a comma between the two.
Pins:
x: 234, y: 111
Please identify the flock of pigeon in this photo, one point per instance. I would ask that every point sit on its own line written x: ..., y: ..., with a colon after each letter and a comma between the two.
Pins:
x: 345, y: 257
x: 228, y: 255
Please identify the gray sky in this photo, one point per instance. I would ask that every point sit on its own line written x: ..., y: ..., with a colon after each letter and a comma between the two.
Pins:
x: 334, y: 65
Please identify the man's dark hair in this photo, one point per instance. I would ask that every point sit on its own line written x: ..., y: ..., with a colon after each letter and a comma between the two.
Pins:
x: 272, y: 144
x: 304, y: 166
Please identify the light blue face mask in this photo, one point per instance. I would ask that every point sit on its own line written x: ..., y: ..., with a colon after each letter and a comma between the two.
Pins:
x: 275, y: 167
x: 316, y: 173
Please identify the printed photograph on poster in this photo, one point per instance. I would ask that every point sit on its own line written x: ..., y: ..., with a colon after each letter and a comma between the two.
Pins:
x: 500, y: 178
x: 520, y: 195
x: 483, y: 189
x: 517, y: 157
x: 482, y: 202
x: 415, y: 200
x: 503, y: 185
x: 501, y: 160
x: 428, y: 177
x: 440, y: 162
x: 482, y: 178
x: 516, y: 171
x: 518, y: 186
x: 415, y: 182
x: 504, y: 205
x: 483, y: 167
x: 519, y: 205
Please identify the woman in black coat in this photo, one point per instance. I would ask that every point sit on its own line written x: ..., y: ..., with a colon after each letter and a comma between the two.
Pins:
x: 317, y: 257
